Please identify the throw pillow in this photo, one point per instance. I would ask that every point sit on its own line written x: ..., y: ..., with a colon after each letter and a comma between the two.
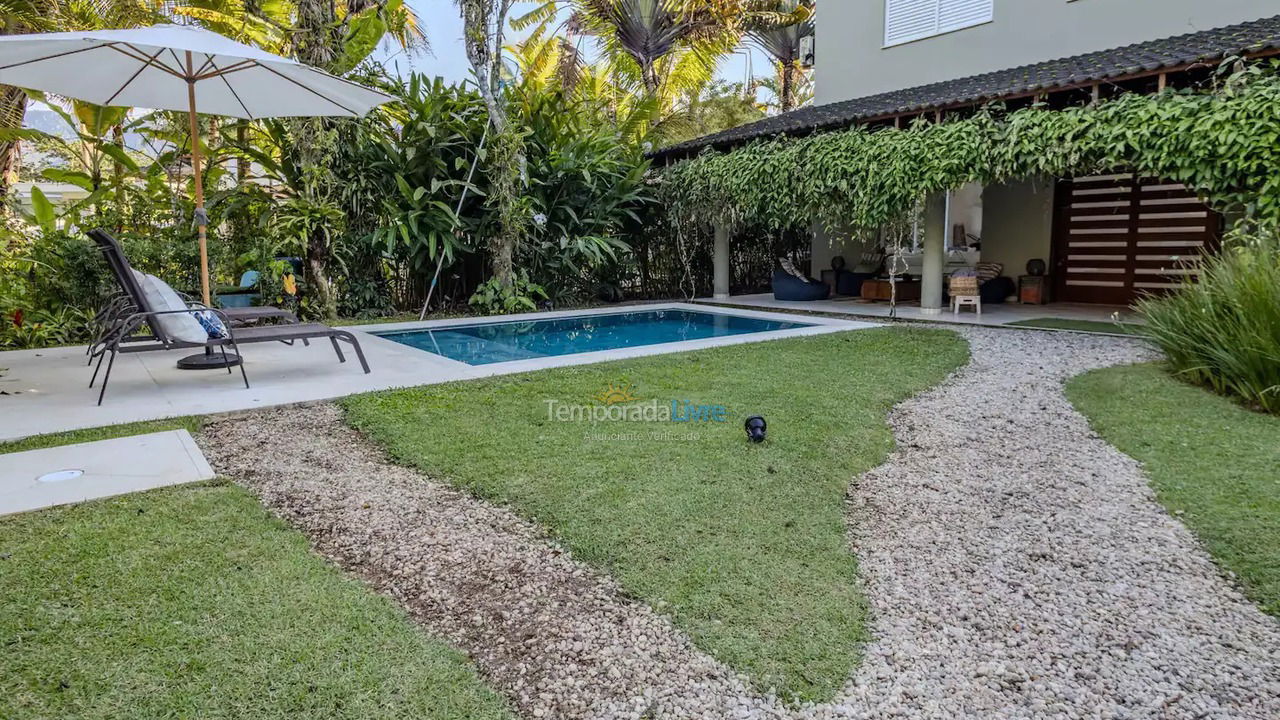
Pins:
x: 183, y: 327
x: 212, y: 324
x: 789, y: 268
x: 987, y: 271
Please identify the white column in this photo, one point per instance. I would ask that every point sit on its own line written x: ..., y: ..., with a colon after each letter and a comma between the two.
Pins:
x: 935, y: 241
x: 720, y: 264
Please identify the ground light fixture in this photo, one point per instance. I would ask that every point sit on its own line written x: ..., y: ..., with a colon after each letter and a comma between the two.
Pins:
x: 60, y: 476
x: 755, y: 427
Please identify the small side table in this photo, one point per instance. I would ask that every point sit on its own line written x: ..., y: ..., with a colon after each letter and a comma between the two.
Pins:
x: 1033, y: 289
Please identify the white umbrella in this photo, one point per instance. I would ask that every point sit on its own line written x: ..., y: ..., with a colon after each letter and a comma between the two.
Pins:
x: 164, y: 67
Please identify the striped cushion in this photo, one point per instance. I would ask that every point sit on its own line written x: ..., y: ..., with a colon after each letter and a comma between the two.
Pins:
x: 987, y: 271
x: 789, y: 268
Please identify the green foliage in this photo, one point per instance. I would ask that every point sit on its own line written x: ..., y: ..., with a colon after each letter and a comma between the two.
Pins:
x: 414, y: 166
x: 1224, y: 331
x: 719, y: 106
x: 48, y: 283
x: 42, y: 210
x: 494, y: 297
x: 420, y: 189
x: 584, y: 195
x: 1223, y: 143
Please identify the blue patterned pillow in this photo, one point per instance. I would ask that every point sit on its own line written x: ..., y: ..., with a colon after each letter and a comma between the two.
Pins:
x: 212, y: 324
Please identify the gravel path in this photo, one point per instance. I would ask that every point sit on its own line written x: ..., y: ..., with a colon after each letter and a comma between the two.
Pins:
x: 1017, y: 565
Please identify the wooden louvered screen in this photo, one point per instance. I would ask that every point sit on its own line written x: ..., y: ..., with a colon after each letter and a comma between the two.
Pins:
x: 1117, y: 237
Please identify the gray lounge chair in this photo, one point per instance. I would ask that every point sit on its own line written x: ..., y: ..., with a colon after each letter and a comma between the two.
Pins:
x: 110, y: 248
x: 121, y: 338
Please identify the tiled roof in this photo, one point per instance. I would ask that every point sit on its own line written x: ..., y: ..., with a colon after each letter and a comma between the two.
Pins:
x: 1258, y: 36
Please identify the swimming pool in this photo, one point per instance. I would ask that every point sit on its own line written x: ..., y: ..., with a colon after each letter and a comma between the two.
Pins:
x: 487, y: 343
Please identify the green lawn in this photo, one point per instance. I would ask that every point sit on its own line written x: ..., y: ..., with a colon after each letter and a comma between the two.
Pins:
x: 744, y: 545
x: 1212, y: 462
x: 35, y: 442
x: 1094, y: 326
x: 194, y: 602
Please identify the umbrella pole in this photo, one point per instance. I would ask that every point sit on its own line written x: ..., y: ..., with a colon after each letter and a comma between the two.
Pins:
x: 201, y: 220
x: 206, y: 360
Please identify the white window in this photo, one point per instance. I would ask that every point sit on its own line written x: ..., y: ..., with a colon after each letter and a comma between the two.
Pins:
x: 908, y: 20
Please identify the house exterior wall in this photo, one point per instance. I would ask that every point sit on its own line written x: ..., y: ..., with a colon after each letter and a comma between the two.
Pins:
x: 852, y: 61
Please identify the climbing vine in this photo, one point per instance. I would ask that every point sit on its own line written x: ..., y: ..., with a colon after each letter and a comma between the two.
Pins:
x: 1223, y: 142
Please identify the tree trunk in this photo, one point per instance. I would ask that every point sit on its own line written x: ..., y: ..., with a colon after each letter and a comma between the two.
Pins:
x: 117, y: 175
x: 319, y: 283
x: 13, y: 112
x: 483, y: 23
x: 316, y: 42
x: 242, y: 165
x: 482, y: 37
x: 788, y: 99
x: 649, y: 75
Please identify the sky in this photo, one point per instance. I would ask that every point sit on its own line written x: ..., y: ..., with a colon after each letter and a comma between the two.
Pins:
x: 447, y: 58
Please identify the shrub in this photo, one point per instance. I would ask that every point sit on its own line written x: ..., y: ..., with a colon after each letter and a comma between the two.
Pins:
x: 492, y: 298
x: 1224, y: 332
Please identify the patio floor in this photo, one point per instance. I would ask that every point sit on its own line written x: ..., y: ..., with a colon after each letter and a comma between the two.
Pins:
x: 991, y: 314
x: 45, y: 391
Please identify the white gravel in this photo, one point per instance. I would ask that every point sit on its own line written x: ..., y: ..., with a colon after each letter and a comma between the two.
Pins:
x: 1017, y: 565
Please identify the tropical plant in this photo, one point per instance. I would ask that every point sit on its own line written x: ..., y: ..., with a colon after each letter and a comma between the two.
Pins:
x: 417, y: 161
x: 782, y: 41
x: 586, y: 187
x: 1224, y: 330
x: 718, y: 106
x: 498, y: 298
x: 1220, y: 142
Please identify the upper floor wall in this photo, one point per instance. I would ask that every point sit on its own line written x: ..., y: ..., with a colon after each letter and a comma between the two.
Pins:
x: 854, y: 60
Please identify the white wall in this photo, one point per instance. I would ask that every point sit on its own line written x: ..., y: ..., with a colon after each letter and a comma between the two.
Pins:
x: 1018, y: 223
x: 828, y: 245
x: 852, y: 61
x: 966, y: 209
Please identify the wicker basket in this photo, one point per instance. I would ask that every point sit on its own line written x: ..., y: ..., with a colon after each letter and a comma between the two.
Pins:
x: 964, y: 286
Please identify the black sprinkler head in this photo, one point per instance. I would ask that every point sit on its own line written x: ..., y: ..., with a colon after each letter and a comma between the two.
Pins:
x: 756, y: 428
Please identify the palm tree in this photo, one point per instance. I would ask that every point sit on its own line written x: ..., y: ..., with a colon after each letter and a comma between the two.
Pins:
x: 667, y: 50
x: 782, y: 42
x: 652, y: 32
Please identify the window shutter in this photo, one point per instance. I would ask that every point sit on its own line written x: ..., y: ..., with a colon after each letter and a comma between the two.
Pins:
x: 957, y: 14
x: 907, y: 20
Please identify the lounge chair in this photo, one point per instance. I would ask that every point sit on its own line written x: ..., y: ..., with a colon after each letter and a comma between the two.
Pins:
x: 110, y: 248
x: 120, y: 307
x: 145, y: 311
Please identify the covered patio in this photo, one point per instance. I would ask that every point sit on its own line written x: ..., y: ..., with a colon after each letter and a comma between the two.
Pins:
x: 1100, y: 234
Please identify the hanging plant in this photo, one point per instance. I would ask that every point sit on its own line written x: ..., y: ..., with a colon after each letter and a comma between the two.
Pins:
x: 1223, y: 143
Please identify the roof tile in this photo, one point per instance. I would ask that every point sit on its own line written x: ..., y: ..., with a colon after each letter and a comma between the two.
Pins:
x: 1256, y: 36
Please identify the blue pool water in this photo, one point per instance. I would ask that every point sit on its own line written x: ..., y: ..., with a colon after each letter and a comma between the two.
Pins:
x: 485, y: 343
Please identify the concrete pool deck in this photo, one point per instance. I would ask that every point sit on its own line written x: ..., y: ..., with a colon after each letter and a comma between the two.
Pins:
x: 48, y: 390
